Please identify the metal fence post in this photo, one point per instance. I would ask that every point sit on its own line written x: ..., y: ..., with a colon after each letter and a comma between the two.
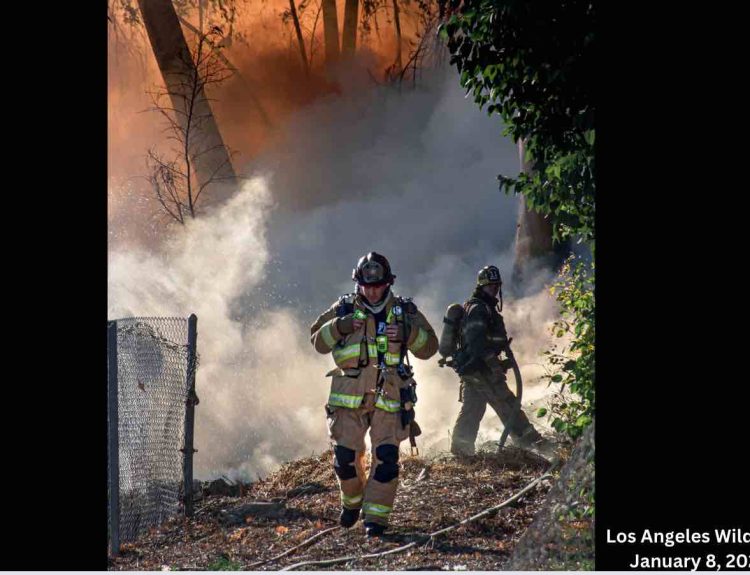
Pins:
x: 114, y: 440
x: 190, y: 416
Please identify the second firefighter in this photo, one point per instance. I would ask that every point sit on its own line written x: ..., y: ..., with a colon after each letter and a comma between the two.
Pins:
x: 482, y: 339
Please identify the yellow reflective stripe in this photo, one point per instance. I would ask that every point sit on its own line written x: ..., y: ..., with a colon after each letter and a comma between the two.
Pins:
x: 344, y: 400
x: 351, y: 500
x: 344, y: 353
x: 388, y: 405
x: 325, y: 331
x: 392, y: 358
x: 375, y: 509
x: 350, y: 351
x: 420, y: 341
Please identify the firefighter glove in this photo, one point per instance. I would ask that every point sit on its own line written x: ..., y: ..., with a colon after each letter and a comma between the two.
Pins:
x: 345, y: 324
x: 395, y: 332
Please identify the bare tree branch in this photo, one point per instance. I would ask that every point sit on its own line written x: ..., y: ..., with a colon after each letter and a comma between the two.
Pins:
x: 305, y: 543
x: 183, y: 108
x: 258, y: 106
x: 312, y: 34
x: 300, y: 40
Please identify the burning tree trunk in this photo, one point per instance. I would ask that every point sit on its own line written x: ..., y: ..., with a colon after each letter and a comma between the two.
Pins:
x: 534, y: 246
x: 300, y: 39
x: 349, y: 38
x: 210, y: 157
x: 331, y: 31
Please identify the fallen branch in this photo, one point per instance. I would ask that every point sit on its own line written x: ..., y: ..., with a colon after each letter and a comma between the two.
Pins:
x: 288, y: 551
x: 425, y: 538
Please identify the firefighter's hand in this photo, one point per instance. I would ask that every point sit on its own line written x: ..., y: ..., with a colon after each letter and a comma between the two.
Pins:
x: 395, y: 332
x: 496, y: 367
x: 348, y: 324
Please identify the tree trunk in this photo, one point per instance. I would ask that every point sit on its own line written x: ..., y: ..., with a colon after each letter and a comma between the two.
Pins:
x: 209, y: 155
x: 331, y: 31
x: 300, y: 39
x: 220, y: 55
x: 397, y: 22
x: 534, y: 247
x: 349, y: 38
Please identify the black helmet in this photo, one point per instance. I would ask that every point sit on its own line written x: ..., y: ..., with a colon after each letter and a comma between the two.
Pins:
x: 489, y: 275
x: 373, y: 269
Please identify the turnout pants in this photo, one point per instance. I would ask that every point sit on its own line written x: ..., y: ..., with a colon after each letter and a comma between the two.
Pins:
x: 476, y: 393
x: 373, y: 493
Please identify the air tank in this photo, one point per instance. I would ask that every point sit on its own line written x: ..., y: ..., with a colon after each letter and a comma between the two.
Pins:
x: 451, y: 326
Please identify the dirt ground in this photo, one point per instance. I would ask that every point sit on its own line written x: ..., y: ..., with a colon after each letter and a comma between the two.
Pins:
x: 433, y: 494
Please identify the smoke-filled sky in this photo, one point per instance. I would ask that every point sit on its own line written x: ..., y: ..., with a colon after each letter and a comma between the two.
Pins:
x: 410, y: 174
x: 261, y: 47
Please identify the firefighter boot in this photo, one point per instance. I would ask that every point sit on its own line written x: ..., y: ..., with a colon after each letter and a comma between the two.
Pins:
x: 533, y: 440
x: 374, y: 529
x: 348, y: 517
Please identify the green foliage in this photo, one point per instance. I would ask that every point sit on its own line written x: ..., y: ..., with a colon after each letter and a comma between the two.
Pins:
x: 573, y: 366
x: 532, y: 63
x: 224, y: 563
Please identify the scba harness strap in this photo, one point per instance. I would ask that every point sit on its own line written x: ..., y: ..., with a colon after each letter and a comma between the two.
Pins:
x: 401, y: 309
x: 488, y: 307
x: 408, y: 308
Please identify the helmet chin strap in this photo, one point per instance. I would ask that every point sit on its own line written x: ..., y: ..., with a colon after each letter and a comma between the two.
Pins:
x: 499, y: 297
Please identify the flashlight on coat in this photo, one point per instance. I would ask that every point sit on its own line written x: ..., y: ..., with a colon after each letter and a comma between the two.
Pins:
x: 359, y: 314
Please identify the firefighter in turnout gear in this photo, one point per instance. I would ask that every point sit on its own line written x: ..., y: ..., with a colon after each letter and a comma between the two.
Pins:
x: 369, y: 333
x: 482, y: 338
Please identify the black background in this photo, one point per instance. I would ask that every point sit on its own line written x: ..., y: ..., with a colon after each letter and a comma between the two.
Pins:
x: 671, y: 382
x: 671, y: 394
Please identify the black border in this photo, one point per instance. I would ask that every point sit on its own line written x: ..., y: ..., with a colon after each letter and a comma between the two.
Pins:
x: 671, y: 430
x: 54, y: 480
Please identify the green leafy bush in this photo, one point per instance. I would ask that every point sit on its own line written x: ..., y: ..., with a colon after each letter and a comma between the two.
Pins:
x: 573, y: 366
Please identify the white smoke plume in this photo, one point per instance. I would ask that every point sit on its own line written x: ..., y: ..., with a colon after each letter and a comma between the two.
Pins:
x: 409, y: 174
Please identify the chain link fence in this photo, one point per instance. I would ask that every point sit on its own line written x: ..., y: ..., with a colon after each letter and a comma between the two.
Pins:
x: 152, y: 363
x: 561, y: 537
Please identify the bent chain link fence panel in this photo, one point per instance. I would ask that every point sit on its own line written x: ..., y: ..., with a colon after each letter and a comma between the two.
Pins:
x: 153, y: 378
x: 561, y: 536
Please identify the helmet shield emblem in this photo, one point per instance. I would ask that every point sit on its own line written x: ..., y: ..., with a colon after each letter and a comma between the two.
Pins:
x: 489, y: 275
x: 373, y: 269
x: 372, y: 272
